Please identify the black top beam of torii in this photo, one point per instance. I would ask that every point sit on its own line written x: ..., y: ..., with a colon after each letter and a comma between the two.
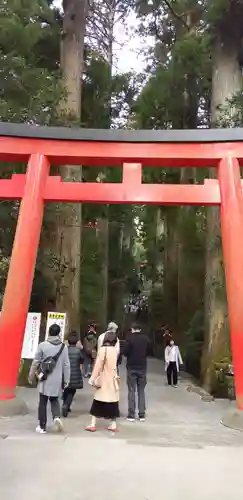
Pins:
x: 127, y: 136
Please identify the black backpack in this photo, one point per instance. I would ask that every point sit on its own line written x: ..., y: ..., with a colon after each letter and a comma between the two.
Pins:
x: 47, y: 366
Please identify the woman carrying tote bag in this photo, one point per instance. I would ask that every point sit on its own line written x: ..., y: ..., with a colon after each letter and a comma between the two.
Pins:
x: 106, y: 381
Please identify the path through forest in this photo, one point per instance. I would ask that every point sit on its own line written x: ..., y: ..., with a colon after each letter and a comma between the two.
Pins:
x: 181, y: 451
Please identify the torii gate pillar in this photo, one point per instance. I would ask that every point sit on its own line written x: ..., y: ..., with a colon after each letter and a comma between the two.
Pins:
x: 231, y: 211
x: 21, y: 272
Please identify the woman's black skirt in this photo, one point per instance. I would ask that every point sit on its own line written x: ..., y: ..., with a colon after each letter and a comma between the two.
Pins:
x: 100, y: 409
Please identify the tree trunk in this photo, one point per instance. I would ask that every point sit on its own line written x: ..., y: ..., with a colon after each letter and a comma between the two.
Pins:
x: 226, y: 78
x: 226, y: 81
x: 159, y: 253
x: 121, y: 242
x: 171, y: 269
x: 103, y: 222
x: 103, y: 230
x: 70, y: 215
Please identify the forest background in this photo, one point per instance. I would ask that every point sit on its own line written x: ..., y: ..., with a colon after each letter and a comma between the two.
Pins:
x: 68, y: 64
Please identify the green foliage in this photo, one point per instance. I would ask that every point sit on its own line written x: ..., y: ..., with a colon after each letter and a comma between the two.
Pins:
x: 231, y: 114
x: 217, y: 9
x: 187, y: 73
x: 91, y: 283
x: 28, y: 90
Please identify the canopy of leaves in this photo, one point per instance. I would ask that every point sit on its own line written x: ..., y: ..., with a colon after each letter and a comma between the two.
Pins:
x: 29, y: 89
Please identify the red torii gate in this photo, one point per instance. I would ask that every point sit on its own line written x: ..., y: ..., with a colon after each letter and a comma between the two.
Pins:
x: 41, y: 147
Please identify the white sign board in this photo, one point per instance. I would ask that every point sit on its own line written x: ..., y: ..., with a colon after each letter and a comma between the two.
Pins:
x: 54, y: 318
x: 31, y: 335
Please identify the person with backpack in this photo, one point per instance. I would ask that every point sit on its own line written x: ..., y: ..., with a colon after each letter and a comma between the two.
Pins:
x: 51, y: 366
x: 90, y: 349
x: 76, y: 381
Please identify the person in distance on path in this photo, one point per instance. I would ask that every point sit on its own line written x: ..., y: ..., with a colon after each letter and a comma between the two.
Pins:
x: 167, y: 336
x: 136, y: 351
x: 76, y: 358
x: 89, y: 349
x: 173, y: 360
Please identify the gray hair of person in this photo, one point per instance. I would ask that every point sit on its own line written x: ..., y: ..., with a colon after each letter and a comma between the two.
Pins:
x: 112, y: 327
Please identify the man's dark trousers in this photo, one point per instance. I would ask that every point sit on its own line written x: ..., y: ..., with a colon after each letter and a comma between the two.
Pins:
x: 136, y: 381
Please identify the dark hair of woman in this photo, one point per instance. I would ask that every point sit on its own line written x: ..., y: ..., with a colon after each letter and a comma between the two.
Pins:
x: 110, y: 339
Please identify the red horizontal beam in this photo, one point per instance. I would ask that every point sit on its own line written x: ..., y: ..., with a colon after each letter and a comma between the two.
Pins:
x: 99, y: 153
x: 163, y: 194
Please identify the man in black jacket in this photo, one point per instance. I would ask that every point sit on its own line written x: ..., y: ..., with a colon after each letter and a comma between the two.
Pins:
x: 136, y: 351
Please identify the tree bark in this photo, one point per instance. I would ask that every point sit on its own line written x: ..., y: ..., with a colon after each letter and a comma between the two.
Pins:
x: 171, y: 269
x: 103, y: 222
x: 226, y: 81
x: 190, y: 275
x: 70, y: 215
x: 103, y: 230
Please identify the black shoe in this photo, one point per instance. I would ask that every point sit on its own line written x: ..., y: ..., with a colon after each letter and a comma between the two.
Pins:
x: 64, y: 411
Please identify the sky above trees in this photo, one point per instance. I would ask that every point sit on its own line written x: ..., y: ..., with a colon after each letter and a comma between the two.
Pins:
x: 128, y: 47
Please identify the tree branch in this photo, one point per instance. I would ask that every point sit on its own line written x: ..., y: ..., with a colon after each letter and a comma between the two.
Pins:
x: 176, y: 15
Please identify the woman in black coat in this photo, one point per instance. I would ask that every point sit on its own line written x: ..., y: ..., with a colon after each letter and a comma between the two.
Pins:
x: 76, y: 380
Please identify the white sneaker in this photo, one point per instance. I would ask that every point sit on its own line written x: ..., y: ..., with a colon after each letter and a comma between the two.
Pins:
x: 130, y: 419
x: 142, y: 419
x: 58, y: 424
x: 39, y: 430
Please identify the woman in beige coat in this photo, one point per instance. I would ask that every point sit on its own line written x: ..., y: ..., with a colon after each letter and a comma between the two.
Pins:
x: 104, y: 378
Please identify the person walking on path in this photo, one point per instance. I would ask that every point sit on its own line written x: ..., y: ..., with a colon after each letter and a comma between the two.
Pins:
x: 52, y: 367
x: 167, y: 336
x: 104, y: 378
x: 136, y: 351
x: 90, y: 349
x: 173, y: 360
x: 76, y: 380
